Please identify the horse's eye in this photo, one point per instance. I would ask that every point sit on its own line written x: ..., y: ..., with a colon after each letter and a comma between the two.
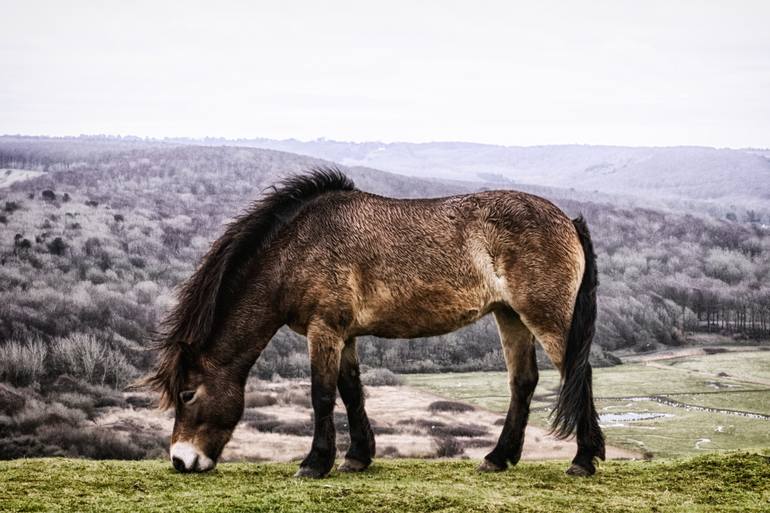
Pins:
x: 187, y: 396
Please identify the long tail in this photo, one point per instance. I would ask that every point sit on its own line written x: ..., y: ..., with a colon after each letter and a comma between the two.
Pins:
x: 575, y: 409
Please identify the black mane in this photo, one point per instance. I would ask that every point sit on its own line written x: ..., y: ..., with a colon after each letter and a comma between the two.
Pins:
x: 191, y: 324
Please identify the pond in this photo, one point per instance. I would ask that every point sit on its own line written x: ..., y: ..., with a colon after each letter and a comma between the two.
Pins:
x: 617, y: 419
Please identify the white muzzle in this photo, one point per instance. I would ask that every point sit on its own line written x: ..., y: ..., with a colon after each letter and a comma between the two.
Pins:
x: 186, y: 458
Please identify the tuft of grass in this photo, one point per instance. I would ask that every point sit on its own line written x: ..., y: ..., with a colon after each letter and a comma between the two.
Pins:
x: 727, y: 482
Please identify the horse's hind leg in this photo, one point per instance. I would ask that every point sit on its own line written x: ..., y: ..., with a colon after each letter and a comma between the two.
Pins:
x: 362, y: 449
x: 325, y: 348
x: 590, y: 440
x: 519, y: 351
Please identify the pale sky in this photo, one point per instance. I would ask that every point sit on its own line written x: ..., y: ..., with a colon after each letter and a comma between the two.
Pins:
x: 507, y: 72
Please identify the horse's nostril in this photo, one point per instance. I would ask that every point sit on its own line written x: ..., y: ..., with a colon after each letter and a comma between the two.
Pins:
x: 178, y: 464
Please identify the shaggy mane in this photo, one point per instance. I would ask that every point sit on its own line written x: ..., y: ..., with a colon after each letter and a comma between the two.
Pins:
x: 189, y: 327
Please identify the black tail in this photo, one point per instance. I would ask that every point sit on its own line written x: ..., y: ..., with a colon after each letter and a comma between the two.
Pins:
x: 575, y: 409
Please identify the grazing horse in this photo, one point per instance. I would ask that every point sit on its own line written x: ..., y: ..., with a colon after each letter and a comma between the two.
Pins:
x: 334, y: 263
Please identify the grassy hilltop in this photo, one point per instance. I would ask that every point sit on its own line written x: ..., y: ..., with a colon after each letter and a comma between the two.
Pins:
x: 734, y: 482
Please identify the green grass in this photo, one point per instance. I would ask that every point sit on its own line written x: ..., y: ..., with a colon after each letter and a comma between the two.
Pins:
x: 737, y: 482
x: 693, y: 380
x: 736, y: 364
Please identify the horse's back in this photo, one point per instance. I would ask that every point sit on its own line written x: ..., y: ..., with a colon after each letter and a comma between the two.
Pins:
x: 407, y: 268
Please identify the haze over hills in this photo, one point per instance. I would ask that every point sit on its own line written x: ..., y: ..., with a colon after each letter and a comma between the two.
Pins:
x: 695, y: 173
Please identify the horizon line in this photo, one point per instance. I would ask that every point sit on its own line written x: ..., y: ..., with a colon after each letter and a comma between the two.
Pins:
x: 370, y: 141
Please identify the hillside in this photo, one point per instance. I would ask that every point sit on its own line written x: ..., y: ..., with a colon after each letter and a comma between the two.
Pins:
x: 734, y: 482
x: 694, y: 173
x: 92, y: 250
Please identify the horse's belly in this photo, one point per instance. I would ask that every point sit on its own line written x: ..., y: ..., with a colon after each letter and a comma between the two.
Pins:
x: 425, y: 313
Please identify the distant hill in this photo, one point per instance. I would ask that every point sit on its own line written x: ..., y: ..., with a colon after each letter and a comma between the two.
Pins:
x: 687, y: 172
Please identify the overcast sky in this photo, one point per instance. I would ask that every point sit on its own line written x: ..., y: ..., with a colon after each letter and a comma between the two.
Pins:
x: 515, y: 73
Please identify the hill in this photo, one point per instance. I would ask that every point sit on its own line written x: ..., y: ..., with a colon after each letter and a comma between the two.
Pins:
x: 686, y: 172
x: 734, y: 482
x: 92, y: 250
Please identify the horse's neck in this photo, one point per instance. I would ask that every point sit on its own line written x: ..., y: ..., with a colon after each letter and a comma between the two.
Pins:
x: 248, y: 327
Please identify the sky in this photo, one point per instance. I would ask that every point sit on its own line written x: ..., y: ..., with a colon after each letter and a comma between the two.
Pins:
x: 515, y: 73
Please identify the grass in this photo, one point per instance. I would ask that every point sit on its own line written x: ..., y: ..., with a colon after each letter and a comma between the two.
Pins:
x: 693, y: 380
x: 728, y: 482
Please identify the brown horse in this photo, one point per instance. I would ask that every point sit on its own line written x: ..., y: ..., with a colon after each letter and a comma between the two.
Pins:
x: 334, y: 263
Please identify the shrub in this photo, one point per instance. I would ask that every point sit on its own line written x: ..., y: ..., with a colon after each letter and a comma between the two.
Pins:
x: 297, y: 397
x: 22, y: 364
x: 104, y: 396
x: 140, y: 401
x: 451, y: 406
x: 57, y: 246
x: 447, y: 446
x: 37, y: 414
x: 463, y: 430
x: 79, y: 355
x: 78, y: 401
x: 96, y: 443
x: 295, y: 428
x: 11, y: 401
x: 116, y: 370
x: 380, y: 377
x: 475, y: 443
x: 258, y: 399
x: 388, y: 451
x: 261, y: 421
x: 138, y: 262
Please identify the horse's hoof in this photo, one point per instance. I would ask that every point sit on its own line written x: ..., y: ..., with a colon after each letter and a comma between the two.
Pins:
x: 488, y: 466
x: 350, y: 465
x: 578, y: 471
x: 309, y: 473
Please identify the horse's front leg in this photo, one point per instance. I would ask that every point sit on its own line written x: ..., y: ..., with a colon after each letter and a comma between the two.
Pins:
x: 325, y: 347
x: 362, y: 447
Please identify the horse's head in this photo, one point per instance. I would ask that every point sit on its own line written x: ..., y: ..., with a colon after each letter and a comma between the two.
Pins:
x: 207, y: 397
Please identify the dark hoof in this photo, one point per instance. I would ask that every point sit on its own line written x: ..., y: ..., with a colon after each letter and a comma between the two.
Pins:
x: 310, y: 473
x: 578, y: 471
x: 350, y: 465
x: 488, y: 466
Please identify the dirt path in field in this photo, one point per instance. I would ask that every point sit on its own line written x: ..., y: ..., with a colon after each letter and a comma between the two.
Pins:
x: 406, y: 402
x: 405, y: 425
x: 671, y: 354
x: 753, y: 380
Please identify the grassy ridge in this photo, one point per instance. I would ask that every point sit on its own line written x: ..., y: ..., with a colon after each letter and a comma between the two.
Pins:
x: 733, y: 482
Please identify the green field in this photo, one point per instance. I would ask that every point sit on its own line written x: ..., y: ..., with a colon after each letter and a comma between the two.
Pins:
x: 737, y: 482
x: 737, y: 381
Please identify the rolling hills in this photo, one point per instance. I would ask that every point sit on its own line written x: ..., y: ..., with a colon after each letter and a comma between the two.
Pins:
x: 685, y: 172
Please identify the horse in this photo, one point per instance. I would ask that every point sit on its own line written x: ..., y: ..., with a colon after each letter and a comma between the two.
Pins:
x: 334, y: 263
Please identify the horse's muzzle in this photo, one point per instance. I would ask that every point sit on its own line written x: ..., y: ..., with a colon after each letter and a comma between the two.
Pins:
x: 186, y: 458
